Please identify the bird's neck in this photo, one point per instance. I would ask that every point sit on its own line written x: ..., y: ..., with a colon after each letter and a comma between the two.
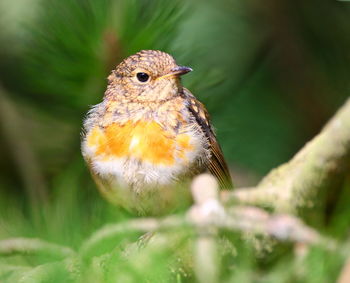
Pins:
x: 161, y: 111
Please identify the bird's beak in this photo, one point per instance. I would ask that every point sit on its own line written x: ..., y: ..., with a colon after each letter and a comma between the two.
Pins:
x: 178, y: 71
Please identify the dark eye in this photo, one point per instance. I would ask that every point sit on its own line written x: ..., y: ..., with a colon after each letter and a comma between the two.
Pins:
x: 142, y: 77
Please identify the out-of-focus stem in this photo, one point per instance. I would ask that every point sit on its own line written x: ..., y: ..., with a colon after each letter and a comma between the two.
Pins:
x: 27, y: 246
x: 14, y: 133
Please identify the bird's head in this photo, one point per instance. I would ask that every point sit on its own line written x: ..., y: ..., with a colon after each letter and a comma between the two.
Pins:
x: 147, y: 76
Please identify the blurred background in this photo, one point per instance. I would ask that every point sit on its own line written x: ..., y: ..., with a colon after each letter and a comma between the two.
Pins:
x: 271, y: 73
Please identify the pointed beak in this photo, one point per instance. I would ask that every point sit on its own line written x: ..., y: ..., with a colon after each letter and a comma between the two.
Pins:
x: 177, y: 71
x: 180, y: 70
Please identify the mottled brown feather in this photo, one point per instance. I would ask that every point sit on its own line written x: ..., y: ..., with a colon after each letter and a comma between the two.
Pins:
x: 216, y: 164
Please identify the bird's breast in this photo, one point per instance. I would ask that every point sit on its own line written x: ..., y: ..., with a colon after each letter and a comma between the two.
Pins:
x: 141, y: 152
x: 146, y: 141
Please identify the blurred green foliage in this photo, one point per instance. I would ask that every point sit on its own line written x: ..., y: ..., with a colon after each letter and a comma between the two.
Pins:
x: 270, y: 74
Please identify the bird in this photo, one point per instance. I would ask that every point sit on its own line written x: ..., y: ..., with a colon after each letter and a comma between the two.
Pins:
x: 148, y: 135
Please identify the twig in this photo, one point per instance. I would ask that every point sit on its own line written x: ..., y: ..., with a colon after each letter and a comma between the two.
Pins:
x: 27, y: 246
x: 285, y: 228
x: 143, y: 225
x: 296, y: 185
x: 345, y: 273
x: 205, y: 190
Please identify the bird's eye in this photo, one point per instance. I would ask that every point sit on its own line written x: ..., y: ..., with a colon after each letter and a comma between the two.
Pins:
x: 142, y: 77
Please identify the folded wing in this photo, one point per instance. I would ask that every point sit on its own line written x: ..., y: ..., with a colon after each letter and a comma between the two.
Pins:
x: 216, y: 163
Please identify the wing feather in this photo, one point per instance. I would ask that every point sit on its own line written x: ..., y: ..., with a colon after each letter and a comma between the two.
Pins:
x: 216, y: 164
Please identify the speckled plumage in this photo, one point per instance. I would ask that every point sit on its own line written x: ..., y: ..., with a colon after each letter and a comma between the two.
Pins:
x: 146, y: 136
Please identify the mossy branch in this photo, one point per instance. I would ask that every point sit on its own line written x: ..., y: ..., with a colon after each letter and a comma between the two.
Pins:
x: 302, y: 183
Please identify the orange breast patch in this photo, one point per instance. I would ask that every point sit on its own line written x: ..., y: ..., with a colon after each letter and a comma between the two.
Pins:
x: 146, y: 141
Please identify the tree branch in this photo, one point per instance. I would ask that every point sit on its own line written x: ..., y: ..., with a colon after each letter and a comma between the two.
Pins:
x: 296, y: 185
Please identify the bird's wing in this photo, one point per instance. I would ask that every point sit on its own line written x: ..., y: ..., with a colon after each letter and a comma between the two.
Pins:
x: 216, y: 163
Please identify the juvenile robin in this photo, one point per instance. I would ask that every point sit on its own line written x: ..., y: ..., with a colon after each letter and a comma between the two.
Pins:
x: 148, y: 134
